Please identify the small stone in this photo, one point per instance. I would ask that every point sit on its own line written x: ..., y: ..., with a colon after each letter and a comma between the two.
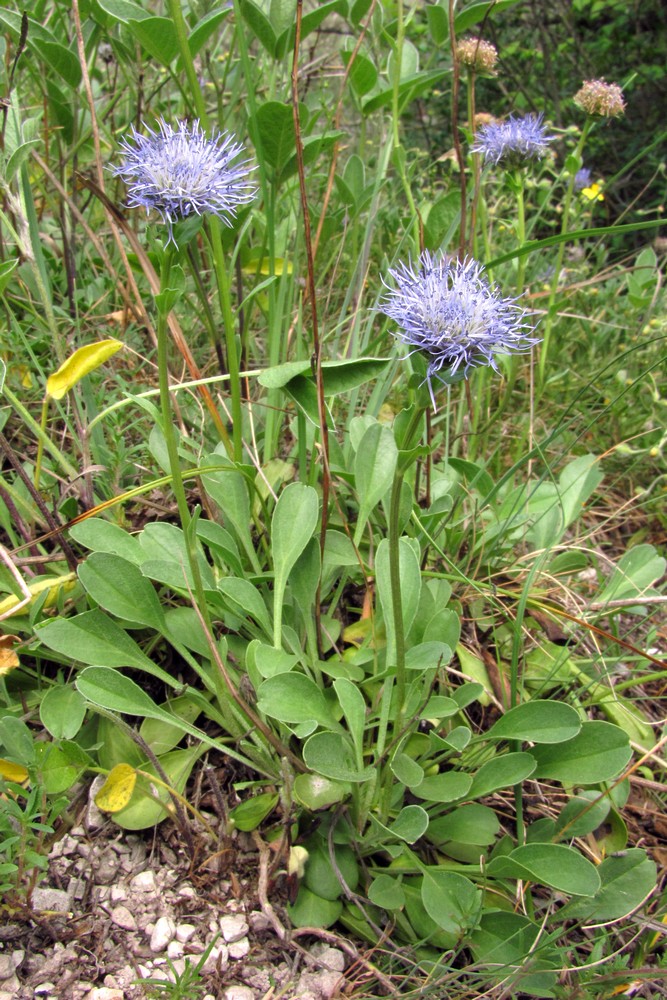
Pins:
x: 331, y: 958
x: 233, y: 927
x: 50, y: 899
x: 107, y: 867
x: 43, y: 989
x: 184, y: 932
x: 238, y: 993
x: 122, y: 917
x: 259, y: 922
x: 239, y: 949
x: 94, y: 819
x: 187, y: 892
x: 13, y: 986
x: 104, y: 993
x: 175, y: 950
x: 177, y: 968
x: 144, y: 882
x: 9, y: 996
x: 163, y: 933
x: 118, y: 894
x: 7, y: 966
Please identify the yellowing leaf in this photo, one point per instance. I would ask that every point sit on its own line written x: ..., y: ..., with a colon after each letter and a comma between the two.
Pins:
x: 54, y: 584
x: 282, y: 266
x: 12, y: 772
x: 117, y: 790
x: 84, y: 360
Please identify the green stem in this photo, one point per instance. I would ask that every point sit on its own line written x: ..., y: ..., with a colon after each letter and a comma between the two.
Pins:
x: 170, y: 437
x: 395, y: 566
x: 44, y: 441
x: 224, y: 297
x: 176, y: 15
x: 553, y: 292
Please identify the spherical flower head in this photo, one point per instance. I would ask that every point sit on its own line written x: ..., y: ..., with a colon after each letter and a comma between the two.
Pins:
x: 451, y: 312
x: 477, y: 54
x: 582, y: 179
x: 599, y: 98
x: 513, y: 142
x: 180, y: 172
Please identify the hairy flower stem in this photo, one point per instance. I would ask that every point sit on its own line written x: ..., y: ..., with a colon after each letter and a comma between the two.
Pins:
x: 224, y: 298
x: 170, y: 437
x: 553, y: 292
x: 408, y: 442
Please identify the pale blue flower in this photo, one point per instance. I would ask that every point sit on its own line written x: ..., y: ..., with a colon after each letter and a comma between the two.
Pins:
x: 454, y: 315
x: 180, y: 172
x: 514, y: 142
x: 582, y: 179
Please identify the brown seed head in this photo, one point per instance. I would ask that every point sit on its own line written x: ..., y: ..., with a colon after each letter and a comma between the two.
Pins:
x: 599, y: 98
x: 477, y: 54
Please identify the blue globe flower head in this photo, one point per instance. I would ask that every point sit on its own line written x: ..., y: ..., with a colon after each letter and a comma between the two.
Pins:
x: 582, y: 179
x: 514, y: 142
x: 451, y: 312
x: 180, y: 172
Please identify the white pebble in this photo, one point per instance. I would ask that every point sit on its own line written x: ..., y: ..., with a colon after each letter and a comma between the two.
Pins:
x: 175, y: 950
x: 233, y: 926
x: 239, y: 949
x: 238, y: 993
x: 144, y: 882
x: 184, y: 932
x: 122, y: 917
x: 163, y: 933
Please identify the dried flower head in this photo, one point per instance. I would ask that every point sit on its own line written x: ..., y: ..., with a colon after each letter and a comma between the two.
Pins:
x: 477, y: 54
x: 599, y: 98
x: 180, y: 172
x: 514, y: 142
x: 452, y: 313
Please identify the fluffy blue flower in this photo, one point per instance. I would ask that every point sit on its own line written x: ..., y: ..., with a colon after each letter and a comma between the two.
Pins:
x: 452, y: 313
x: 180, y: 172
x: 582, y: 179
x: 513, y: 142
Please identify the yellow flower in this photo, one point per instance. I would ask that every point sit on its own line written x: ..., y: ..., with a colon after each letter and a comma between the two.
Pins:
x: 594, y: 192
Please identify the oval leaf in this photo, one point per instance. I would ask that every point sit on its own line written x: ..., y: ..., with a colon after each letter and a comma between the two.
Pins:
x: 537, y: 721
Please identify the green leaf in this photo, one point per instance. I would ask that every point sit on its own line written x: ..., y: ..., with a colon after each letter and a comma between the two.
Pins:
x: 537, y: 721
x: 245, y: 600
x: 292, y: 525
x: 62, y: 711
x: 410, y: 575
x: 582, y: 815
x: 260, y: 25
x: 363, y: 75
x: 123, y: 10
x: 162, y: 736
x: 204, y: 29
x: 143, y: 810
x: 554, y: 865
x: 406, y: 770
x: 120, y: 588
x: 501, y: 772
x: 451, y: 900
x: 444, y: 787
x: 387, y: 892
x: 331, y: 755
x: 320, y: 875
x: 409, y: 89
x: 310, y: 910
x: 598, y: 753
x: 314, y: 791
x: 248, y: 815
x: 637, y: 569
x: 7, y: 268
x: 92, y: 637
x: 16, y: 738
x: 473, y: 824
x: 60, y: 59
x: 627, y: 880
x: 352, y: 702
x: 411, y: 823
x: 374, y: 467
x: 292, y: 697
x: 61, y: 765
x: 443, y: 220
x: 157, y: 36
x: 104, y: 536
x: 272, y: 131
